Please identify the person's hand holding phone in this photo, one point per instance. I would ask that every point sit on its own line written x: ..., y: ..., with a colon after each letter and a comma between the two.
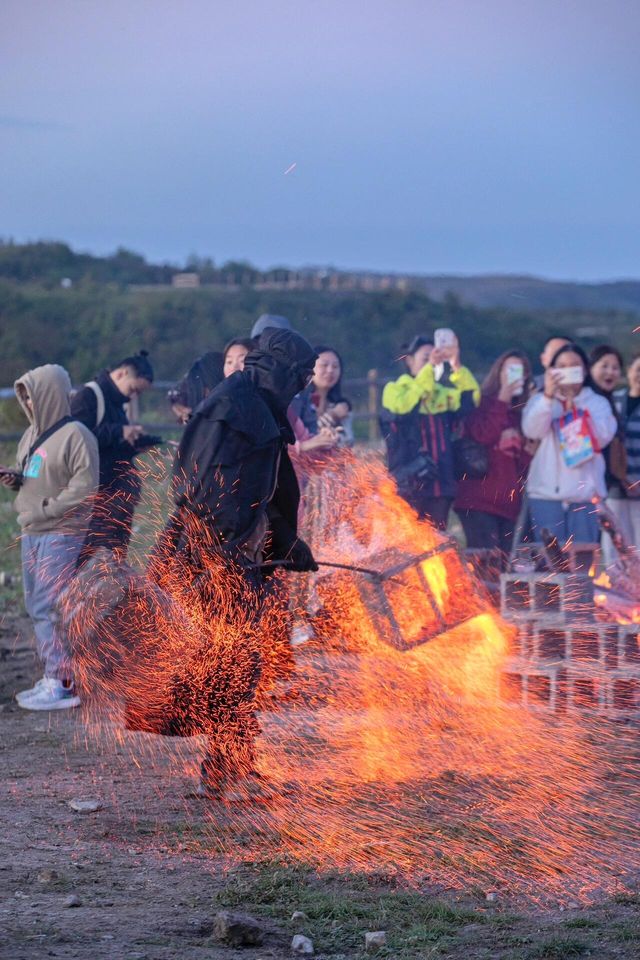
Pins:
x: 552, y: 380
x: 448, y: 348
x: 131, y: 432
x: 9, y: 478
x: 510, y: 390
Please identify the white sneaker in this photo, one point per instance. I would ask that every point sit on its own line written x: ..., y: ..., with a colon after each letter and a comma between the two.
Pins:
x: 27, y: 694
x: 52, y: 695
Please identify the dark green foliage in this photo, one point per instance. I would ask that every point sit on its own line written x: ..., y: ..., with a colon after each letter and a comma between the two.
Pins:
x: 120, y: 303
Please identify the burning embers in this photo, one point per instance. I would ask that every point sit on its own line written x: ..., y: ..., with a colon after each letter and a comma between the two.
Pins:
x: 390, y: 747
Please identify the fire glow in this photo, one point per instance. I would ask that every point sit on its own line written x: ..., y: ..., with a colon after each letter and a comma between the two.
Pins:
x: 399, y: 757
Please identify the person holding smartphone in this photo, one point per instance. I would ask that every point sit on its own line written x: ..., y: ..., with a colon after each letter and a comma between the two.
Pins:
x: 421, y: 410
x: 55, y: 478
x: 100, y: 405
x: 488, y: 506
x: 572, y: 424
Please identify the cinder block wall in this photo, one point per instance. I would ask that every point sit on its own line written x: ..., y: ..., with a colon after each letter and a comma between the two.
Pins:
x: 563, y: 659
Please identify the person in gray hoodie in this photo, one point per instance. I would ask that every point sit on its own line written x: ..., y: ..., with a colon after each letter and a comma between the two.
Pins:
x: 55, y: 477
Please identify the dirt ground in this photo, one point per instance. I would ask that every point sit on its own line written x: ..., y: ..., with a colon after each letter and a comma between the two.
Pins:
x: 142, y: 889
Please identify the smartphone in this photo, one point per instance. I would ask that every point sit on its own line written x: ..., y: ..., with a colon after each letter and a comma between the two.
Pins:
x: 444, y: 337
x: 569, y: 376
x: 515, y: 372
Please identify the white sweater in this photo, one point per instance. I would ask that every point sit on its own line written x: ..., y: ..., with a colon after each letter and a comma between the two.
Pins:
x: 549, y: 477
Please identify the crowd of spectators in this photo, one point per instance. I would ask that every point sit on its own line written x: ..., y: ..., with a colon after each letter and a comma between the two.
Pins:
x: 519, y: 457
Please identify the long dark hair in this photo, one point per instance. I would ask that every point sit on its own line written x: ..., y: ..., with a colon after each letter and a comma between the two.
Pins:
x: 574, y: 348
x: 491, y: 383
x: 335, y: 393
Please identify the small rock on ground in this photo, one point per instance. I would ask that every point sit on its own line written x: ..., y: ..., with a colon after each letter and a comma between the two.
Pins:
x: 301, y: 944
x: 374, y: 940
x: 237, y: 929
x: 298, y: 915
x: 85, y: 806
x: 73, y: 900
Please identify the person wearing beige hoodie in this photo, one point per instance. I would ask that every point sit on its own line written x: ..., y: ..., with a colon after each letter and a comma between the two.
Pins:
x: 55, y: 478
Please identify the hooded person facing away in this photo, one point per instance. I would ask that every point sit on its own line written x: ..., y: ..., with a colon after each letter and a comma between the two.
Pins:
x: 56, y: 476
x: 237, y: 499
x: 232, y: 472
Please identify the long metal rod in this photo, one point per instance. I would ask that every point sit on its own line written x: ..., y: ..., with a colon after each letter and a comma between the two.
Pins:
x: 380, y: 575
x: 321, y: 563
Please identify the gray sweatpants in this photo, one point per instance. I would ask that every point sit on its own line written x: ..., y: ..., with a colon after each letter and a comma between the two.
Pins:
x: 48, y: 564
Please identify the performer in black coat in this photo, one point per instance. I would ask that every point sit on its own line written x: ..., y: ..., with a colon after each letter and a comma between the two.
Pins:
x: 232, y: 474
x: 236, y: 497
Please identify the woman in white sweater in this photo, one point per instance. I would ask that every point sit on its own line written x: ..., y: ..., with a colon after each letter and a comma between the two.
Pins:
x: 572, y: 424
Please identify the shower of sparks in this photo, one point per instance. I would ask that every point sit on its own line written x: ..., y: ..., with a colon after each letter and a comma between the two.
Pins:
x: 379, y: 759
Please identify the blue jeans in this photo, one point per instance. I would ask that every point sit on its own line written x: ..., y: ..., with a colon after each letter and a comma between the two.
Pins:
x: 48, y: 564
x: 575, y: 521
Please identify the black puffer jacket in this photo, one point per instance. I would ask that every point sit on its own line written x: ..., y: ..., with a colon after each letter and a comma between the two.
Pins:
x: 232, y: 470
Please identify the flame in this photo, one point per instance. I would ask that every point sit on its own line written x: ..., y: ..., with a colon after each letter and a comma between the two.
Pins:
x: 385, y: 739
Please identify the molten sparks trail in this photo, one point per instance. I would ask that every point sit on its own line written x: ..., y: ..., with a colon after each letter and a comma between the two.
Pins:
x: 388, y: 749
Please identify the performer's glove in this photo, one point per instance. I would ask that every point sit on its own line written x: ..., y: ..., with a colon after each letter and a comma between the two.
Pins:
x: 300, y: 558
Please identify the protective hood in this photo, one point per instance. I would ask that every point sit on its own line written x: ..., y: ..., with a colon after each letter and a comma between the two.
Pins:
x: 269, y: 320
x: 49, y: 389
x: 281, y: 365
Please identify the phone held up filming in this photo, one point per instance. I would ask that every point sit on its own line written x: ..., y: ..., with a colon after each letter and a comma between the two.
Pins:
x: 515, y: 374
x: 445, y: 338
x: 568, y: 376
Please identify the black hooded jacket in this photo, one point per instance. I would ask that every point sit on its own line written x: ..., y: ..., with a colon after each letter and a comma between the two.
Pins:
x: 232, y: 469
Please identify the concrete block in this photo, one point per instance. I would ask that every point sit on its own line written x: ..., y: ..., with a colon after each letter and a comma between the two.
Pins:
x: 552, y: 643
x: 629, y: 646
x: 625, y: 694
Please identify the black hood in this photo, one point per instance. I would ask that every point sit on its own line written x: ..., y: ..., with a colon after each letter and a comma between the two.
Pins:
x: 281, y: 364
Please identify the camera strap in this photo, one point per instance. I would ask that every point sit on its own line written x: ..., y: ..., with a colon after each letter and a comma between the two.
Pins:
x: 44, y: 436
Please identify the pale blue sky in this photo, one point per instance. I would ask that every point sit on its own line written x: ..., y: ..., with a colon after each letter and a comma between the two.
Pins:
x: 432, y: 136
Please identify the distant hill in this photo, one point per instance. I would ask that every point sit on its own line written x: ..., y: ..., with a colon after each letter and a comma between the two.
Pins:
x: 85, y: 311
x: 50, y: 263
x: 533, y: 293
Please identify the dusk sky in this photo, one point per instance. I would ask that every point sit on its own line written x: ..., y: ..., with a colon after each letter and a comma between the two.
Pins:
x: 429, y: 136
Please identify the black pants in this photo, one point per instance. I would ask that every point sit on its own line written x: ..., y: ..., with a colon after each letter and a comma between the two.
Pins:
x: 434, y: 509
x: 487, y: 531
x: 112, y: 520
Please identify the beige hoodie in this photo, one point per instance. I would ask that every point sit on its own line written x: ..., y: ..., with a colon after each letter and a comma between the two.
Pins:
x: 62, y: 473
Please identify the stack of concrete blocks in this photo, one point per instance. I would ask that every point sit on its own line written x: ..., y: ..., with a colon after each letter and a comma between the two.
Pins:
x: 562, y: 658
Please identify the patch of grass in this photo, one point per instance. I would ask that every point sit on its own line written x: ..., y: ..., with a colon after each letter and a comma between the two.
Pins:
x: 630, y: 899
x: 341, y: 908
x: 557, y: 948
x: 626, y: 933
x: 584, y: 923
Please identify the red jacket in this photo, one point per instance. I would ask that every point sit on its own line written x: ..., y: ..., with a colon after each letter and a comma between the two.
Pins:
x: 500, y: 492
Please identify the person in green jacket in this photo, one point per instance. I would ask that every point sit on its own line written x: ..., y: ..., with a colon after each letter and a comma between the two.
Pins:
x: 422, y: 409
